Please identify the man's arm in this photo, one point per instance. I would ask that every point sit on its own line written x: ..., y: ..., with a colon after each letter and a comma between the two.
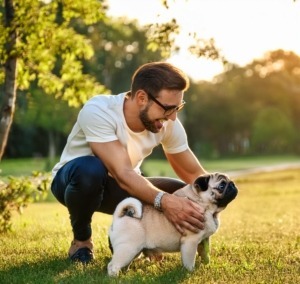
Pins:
x: 183, y: 213
x: 186, y: 165
x: 116, y: 159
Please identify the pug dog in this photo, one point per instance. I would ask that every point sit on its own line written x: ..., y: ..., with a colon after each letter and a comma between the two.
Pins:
x: 137, y: 227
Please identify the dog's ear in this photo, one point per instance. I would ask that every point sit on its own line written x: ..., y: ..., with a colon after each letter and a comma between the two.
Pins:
x: 201, y: 183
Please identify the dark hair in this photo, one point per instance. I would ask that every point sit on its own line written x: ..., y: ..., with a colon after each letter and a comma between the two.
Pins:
x: 156, y: 76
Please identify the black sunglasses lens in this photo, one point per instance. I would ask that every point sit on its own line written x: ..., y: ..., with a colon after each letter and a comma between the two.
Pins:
x: 168, y: 112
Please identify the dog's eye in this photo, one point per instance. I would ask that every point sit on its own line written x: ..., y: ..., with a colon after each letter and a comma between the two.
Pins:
x: 222, y: 185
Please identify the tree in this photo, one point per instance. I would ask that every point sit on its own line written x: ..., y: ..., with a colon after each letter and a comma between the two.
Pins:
x: 38, y: 44
x: 120, y: 47
x: 248, y: 109
x: 273, y: 131
x: 9, y: 37
x: 118, y: 51
x: 45, y: 113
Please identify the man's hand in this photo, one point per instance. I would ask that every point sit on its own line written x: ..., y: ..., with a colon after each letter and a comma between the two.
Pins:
x: 183, y: 213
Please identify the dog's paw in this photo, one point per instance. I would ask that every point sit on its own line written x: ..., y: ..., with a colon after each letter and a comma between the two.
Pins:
x: 188, y: 262
x: 189, y: 267
x: 113, y: 270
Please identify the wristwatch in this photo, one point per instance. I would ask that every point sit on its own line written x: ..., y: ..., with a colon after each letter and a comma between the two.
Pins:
x: 157, y: 200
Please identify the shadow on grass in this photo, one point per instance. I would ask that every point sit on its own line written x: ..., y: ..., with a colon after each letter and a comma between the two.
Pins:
x: 63, y: 271
x: 51, y: 271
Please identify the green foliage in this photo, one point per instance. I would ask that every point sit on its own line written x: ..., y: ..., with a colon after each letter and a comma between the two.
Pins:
x: 120, y: 47
x: 50, y: 51
x: 44, y: 111
x: 17, y: 193
x: 3, y: 39
x: 207, y: 49
x: 273, y: 131
x: 162, y: 37
x: 232, y: 115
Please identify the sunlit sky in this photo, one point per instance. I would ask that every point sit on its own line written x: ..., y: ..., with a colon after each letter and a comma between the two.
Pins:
x: 243, y: 29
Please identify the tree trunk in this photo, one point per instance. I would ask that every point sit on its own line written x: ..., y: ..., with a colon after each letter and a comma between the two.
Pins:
x: 9, y: 95
x: 52, y: 146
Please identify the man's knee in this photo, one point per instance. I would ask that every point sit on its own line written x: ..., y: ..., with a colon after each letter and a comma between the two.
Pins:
x: 89, y: 174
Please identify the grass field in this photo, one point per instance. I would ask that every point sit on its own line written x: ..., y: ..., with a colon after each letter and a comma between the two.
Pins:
x: 17, y: 167
x: 258, y: 242
x: 161, y: 167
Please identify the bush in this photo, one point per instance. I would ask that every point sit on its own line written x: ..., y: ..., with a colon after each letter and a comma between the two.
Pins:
x: 18, y: 192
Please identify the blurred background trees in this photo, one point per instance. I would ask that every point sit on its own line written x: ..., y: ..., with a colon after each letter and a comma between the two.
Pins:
x: 250, y: 110
x: 243, y: 112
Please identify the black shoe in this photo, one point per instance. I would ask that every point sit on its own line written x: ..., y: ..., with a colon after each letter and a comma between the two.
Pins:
x: 83, y: 255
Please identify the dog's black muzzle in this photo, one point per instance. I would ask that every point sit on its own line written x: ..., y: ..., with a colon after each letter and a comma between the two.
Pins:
x: 228, y: 191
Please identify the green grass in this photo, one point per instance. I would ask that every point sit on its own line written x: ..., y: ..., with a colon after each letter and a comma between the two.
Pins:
x: 161, y: 167
x: 258, y: 242
x: 17, y: 167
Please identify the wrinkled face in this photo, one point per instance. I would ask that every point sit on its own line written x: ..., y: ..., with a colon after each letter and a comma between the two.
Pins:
x: 216, y: 188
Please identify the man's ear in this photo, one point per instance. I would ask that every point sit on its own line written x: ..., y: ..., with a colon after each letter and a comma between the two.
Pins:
x: 141, y: 97
x: 201, y: 183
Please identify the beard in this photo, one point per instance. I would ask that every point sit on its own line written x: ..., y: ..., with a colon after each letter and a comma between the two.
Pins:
x: 147, y: 122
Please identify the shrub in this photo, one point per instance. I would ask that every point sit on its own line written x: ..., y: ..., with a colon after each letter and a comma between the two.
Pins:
x: 18, y: 192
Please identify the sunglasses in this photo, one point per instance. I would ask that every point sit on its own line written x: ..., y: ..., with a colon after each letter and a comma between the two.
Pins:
x: 169, y: 110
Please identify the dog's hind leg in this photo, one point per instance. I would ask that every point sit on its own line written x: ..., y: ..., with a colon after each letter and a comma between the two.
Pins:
x: 188, y: 254
x: 121, y: 258
x: 110, y: 245
x: 204, y: 251
x: 153, y: 255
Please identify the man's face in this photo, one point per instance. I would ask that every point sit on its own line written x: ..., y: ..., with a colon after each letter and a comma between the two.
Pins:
x: 153, y: 115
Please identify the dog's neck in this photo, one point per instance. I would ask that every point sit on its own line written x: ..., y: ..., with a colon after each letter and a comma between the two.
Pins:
x: 189, y: 193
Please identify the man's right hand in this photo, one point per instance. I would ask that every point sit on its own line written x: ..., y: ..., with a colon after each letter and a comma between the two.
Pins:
x: 183, y: 213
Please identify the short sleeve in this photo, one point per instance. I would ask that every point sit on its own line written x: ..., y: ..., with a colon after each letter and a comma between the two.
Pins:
x: 175, y: 139
x: 96, y: 124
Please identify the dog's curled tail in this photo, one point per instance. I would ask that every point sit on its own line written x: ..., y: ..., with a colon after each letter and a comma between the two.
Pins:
x: 131, y: 207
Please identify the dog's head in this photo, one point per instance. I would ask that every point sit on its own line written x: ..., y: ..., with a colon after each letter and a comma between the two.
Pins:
x: 216, y: 188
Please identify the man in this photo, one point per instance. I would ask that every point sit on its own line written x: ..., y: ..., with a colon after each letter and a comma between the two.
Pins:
x: 100, y: 164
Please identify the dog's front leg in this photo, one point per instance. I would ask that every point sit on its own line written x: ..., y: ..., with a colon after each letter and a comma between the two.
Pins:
x: 204, y: 251
x: 188, y: 252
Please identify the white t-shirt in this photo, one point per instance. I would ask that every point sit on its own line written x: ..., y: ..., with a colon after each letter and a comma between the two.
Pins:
x: 102, y: 120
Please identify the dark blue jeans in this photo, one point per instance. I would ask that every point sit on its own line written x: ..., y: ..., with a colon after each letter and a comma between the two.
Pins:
x: 84, y: 187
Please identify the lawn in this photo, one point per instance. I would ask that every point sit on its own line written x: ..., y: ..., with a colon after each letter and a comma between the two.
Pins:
x: 25, y: 166
x: 154, y: 167
x: 258, y: 242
